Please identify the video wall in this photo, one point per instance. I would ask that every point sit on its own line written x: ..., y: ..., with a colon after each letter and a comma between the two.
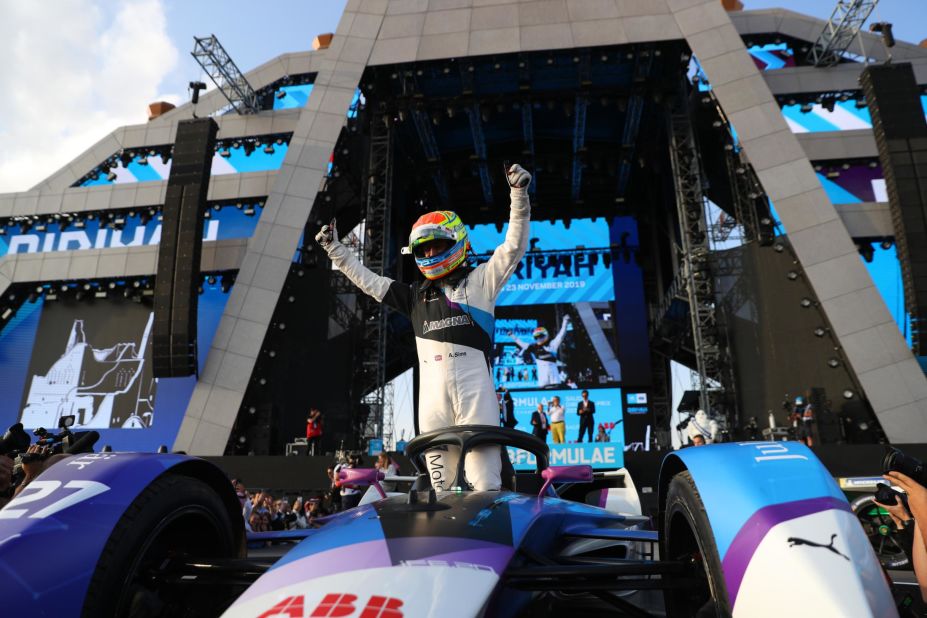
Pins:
x: 92, y: 359
x: 571, y: 318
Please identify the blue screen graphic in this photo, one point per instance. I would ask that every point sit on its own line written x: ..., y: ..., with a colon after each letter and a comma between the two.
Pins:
x: 562, y: 265
x: 607, y: 453
x: 92, y: 359
x: 226, y: 223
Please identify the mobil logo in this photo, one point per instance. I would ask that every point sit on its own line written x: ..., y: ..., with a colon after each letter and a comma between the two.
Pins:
x: 335, y: 605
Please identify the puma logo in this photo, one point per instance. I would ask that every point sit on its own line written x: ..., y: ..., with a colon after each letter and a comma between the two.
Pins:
x: 794, y: 540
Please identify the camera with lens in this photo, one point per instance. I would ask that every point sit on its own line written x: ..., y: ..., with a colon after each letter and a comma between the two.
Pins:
x: 896, y: 461
x: 886, y: 495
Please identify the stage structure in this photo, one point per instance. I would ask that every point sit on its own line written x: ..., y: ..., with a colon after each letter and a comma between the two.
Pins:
x: 707, y: 190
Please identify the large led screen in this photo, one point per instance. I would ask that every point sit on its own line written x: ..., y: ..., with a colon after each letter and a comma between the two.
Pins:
x: 572, y: 317
x: 92, y: 360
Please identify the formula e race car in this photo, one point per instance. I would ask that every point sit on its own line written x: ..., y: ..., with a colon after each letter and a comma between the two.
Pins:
x: 750, y: 529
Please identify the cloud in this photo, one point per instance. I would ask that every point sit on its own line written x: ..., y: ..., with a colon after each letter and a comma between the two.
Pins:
x: 74, y: 71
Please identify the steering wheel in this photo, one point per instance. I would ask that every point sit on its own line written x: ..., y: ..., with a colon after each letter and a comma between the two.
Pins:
x: 467, y: 437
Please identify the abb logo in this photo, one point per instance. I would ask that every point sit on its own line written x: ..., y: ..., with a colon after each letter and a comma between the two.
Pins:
x: 334, y: 606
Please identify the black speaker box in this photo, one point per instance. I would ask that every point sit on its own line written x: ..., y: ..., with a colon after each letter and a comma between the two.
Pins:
x: 177, y: 281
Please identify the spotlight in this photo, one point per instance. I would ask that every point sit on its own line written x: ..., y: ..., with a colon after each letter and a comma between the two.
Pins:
x: 100, y: 294
x: 262, y: 381
x: 806, y: 303
x: 281, y: 94
x: 225, y: 153
x: 282, y: 326
x: 848, y: 394
x: 806, y: 108
x: 833, y: 362
x: 269, y: 149
x: 111, y: 176
x: 6, y: 314
x: 249, y: 211
x: 792, y: 275
x: 886, y: 244
x: 79, y: 224
x: 143, y: 160
x: 819, y: 332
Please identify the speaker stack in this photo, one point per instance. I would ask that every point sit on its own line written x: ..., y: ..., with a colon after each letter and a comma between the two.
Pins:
x: 893, y: 97
x: 177, y: 280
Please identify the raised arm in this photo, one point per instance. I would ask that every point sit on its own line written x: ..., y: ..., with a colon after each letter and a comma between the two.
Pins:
x: 555, y: 343
x: 382, y: 289
x: 506, y: 257
x: 521, y: 344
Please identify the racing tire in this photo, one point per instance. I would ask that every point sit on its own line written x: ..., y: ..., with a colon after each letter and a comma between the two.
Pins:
x: 880, y: 530
x: 687, y: 538
x: 173, y: 514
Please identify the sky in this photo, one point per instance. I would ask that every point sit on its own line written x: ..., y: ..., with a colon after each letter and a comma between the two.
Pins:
x: 74, y: 70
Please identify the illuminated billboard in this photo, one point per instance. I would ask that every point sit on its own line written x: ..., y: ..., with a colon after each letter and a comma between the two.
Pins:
x: 91, y: 359
x: 573, y: 317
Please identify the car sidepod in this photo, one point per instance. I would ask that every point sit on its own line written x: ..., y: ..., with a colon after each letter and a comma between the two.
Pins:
x: 52, y: 534
x: 787, y: 541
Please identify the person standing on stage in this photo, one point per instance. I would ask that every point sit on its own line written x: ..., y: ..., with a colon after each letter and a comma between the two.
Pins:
x: 314, y: 432
x: 586, y: 411
x: 557, y: 420
x: 540, y: 423
x: 452, y: 313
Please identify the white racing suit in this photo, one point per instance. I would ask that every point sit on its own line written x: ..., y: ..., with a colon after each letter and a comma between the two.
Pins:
x: 453, y: 320
x: 545, y: 355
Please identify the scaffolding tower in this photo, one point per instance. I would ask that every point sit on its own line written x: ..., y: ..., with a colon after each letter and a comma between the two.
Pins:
x: 379, y: 422
x: 210, y: 55
x: 839, y: 31
x: 695, y: 255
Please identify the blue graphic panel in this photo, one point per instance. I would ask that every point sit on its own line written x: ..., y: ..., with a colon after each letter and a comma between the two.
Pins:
x: 226, y: 223
x: 608, y: 414
x: 846, y: 116
x: 293, y: 96
x: 233, y: 160
x: 563, y: 265
x: 600, y: 455
x: 92, y: 359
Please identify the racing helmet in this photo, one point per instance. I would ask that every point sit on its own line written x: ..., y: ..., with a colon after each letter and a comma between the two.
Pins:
x: 540, y: 334
x: 438, y: 225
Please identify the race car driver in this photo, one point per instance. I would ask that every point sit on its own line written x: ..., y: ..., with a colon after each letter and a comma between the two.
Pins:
x: 452, y: 315
x: 544, y: 352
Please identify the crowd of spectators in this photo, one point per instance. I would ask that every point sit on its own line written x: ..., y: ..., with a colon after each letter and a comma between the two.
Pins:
x: 265, y: 512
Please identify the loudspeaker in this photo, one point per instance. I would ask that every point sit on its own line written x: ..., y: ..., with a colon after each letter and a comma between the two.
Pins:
x: 893, y: 97
x: 177, y: 279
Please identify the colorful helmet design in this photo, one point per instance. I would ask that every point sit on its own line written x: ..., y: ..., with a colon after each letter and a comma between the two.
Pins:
x: 438, y: 225
x: 540, y: 333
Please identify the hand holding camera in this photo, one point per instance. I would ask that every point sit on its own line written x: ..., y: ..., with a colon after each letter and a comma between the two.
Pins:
x: 909, y: 474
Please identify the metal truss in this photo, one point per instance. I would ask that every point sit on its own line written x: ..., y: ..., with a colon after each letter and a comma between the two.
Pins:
x: 379, y: 422
x: 842, y: 27
x: 696, y: 266
x: 210, y: 55
x: 527, y: 130
x: 579, y: 144
x: 479, y: 147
